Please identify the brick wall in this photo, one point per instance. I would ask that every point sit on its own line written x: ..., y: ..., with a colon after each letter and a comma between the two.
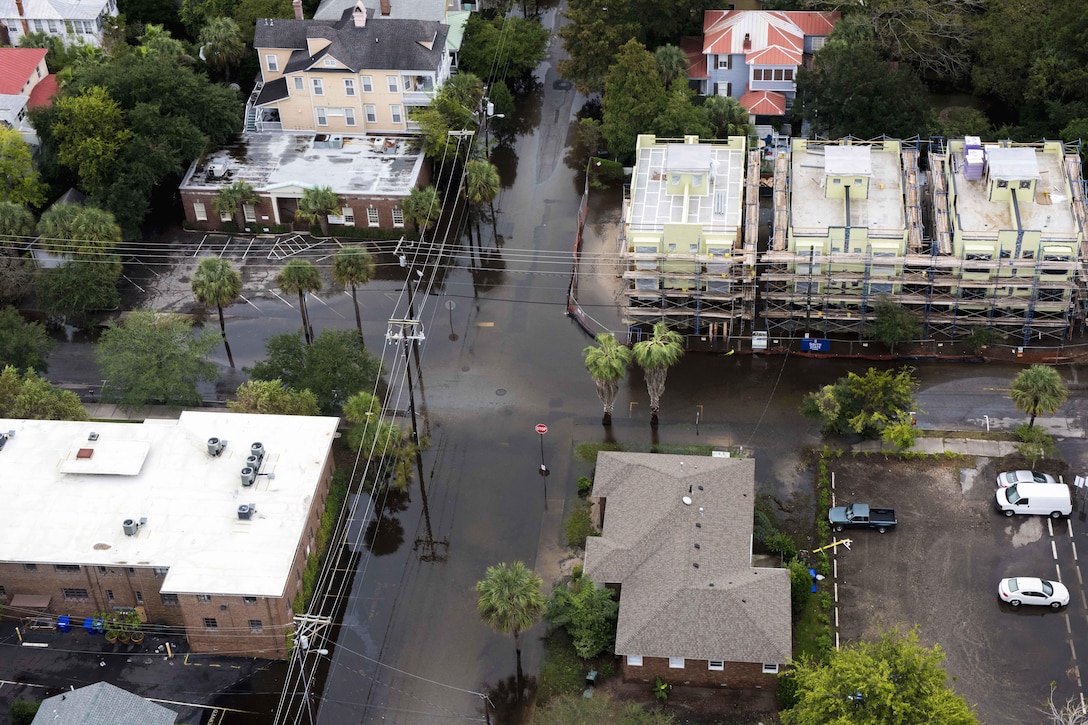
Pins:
x: 740, y: 675
x: 263, y: 207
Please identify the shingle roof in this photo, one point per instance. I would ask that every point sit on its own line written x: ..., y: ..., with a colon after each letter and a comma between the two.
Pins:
x: 16, y: 66
x: 724, y: 609
x: 102, y: 704
x: 382, y: 44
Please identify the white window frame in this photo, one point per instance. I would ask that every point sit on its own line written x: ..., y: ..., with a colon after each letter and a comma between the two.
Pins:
x: 396, y: 114
x: 367, y: 83
x: 676, y: 663
x: 349, y: 116
x: 725, y: 62
x: 371, y: 113
x: 398, y: 217
x: 770, y: 669
x: 249, y: 211
x: 716, y: 665
x: 372, y: 216
x: 634, y: 660
x: 200, y: 211
x: 272, y: 62
x: 318, y: 86
x: 300, y: 83
x: 53, y: 27
x: 226, y: 216
x: 329, y: 62
x: 322, y: 116
x: 349, y: 86
x: 393, y: 84
x: 349, y: 216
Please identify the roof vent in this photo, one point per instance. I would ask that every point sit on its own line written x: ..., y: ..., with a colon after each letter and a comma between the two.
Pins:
x: 249, y: 475
x: 246, y: 511
x: 216, y: 446
x: 92, y: 436
x: 131, y: 526
x: 686, y: 500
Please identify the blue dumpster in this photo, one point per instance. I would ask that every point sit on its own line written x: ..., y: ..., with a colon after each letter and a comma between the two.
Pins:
x: 64, y: 623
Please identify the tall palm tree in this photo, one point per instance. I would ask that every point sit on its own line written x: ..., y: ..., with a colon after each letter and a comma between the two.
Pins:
x: 672, y: 64
x: 217, y: 283
x: 511, y: 601
x: 300, y: 276
x: 727, y: 117
x: 482, y: 185
x: 231, y: 200
x: 221, y: 44
x: 655, y: 356
x: 315, y: 206
x: 353, y: 266
x: 1039, y: 389
x: 422, y: 207
x: 78, y: 230
x: 607, y: 363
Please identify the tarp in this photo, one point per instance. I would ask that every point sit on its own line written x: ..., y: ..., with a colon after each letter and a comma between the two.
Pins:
x: 29, y: 601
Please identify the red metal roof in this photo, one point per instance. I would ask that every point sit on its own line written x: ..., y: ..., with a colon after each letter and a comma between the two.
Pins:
x: 16, y: 67
x: 814, y: 23
x: 764, y: 103
x: 774, y: 56
x: 692, y: 47
x: 725, y: 31
x: 43, y: 93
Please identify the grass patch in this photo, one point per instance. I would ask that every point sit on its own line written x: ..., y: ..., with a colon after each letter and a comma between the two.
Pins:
x: 579, y: 525
x: 338, y: 493
x: 980, y: 435
x: 564, y: 672
x: 812, y: 630
x: 588, y: 451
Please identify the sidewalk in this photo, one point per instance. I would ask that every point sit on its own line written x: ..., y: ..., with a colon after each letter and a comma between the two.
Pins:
x: 936, y: 446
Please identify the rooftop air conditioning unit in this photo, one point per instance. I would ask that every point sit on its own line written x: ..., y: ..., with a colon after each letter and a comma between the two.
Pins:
x: 216, y: 446
x: 217, y: 170
x: 246, y: 511
x: 131, y: 526
x: 249, y: 475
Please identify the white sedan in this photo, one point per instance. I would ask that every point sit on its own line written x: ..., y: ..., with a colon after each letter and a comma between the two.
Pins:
x: 1008, y: 478
x: 1031, y: 590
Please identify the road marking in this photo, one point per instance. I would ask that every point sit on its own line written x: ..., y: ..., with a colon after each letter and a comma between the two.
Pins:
x: 197, y: 252
x: 1054, y: 550
x: 1050, y: 527
x: 1073, y: 650
x: 1080, y: 579
x: 248, y: 247
x: 1074, y: 550
x: 836, y: 586
x: 835, y: 568
x: 836, y: 617
x: 1069, y: 630
x: 243, y: 298
x: 281, y: 299
x: 1059, y: 570
x: 485, y: 324
x: 1069, y: 525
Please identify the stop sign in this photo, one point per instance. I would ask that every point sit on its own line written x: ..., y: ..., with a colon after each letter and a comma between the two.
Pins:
x: 541, y: 428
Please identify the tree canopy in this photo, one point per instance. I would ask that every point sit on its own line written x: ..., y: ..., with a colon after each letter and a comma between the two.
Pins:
x: 596, y: 31
x: 1038, y: 390
x: 23, y: 344
x: 893, y: 323
x: 510, y: 600
x: 272, y: 397
x: 20, y: 182
x: 634, y: 96
x: 29, y: 396
x: 865, y: 404
x: 78, y: 287
x: 502, y: 47
x: 588, y: 613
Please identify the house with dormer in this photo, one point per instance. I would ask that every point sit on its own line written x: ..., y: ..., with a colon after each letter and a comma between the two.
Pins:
x: 753, y: 55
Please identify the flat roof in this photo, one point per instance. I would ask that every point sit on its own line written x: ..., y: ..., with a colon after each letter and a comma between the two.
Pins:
x: 190, y: 499
x: 811, y: 213
x: 1049, y: 211
x: 652, y: 207
x: 364, y: 166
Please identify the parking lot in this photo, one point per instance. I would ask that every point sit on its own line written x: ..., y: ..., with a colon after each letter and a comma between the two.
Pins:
x: 939, y: 569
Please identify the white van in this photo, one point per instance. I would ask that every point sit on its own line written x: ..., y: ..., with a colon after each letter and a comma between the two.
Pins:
x: 1044, y: 499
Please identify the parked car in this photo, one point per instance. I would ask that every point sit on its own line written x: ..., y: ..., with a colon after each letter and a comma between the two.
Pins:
x: 861, y: 516
x: 1043, y: 499
x: 1032, y: 590
x: 1008, y: 478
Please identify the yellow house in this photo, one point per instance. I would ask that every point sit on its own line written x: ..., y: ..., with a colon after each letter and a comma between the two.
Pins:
x: 352, y: 76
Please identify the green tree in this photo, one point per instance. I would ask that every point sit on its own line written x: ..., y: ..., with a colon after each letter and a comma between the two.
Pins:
x: 16, y: 277
x: 596, y: 30
x: 23, y: 712
x: 232, y: 200
x: 607, y: 364
x: 961, y: 121
x: 301, y: 277
x: 510, y: 600
x: 78, y: 230
x: 573, y: 709
x: 727, y: 117
x: 1035, y: 443
x: 864, y: 404
x: 22, y: 344
x: 216, y: 282
x: 90, y: 130
x: 893, y: 323
x: 315, y: 206
x: 893, y: 680
x: 20, y: 182
x: 272, y: 397
x: 1038, y: 390
x: 353, y: 266
x: 246, y: 13
x: 16, y: 270
x: 15, y: 221
x: 157, y: 40
x: 221, y: 44
x: 503, y: 46
x: 482, y: 185
x: 655, y: 356
x: 331, y: 368
x: 422, y: 208
x: 154, y: 358
x: 588, y: 613
x: 680, y: 117
x: 982, y: 337
x: 634, y: 96
x: 672, y: 64
x: 373, y: 438
x: 78, y: 287
x: 27, y: 396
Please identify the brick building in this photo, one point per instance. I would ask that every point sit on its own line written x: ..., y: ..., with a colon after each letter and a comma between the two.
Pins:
x: 106, y: 516
x: 676, y: 544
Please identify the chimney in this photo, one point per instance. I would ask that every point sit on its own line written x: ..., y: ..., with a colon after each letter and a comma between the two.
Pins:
x: 747, y: 41
x: 22, y: 18
x: 359, y: 14
x: 297, y: 5
x: 386, y: 7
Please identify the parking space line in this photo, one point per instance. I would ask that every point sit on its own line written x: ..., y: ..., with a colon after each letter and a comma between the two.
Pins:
x: 198, y: 247
x: 1074, y: 543
x: 1050, y: 527
x: 836, y: 586
x: 1073, y: 650
x: 1054, y: 550
x: 248, y: 247
x: 225, y: 245
x: 1069, y: 629
x: 1069, y: 525
x: 1059, y: 570
x: 281, y: 299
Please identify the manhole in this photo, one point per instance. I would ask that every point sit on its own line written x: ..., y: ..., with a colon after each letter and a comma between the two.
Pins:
x: 500, y: 391
x: 563, y: 85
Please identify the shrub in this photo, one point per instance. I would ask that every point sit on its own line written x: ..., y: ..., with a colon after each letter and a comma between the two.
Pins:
x: 780, y: 543
x: 585, y: 486
x: 23, y: 712
x: 800, y: 586
x: 579, y: 526
x: 786, y: 692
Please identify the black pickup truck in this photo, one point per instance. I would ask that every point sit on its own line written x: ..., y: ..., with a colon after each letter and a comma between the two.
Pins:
x: 861, y: 516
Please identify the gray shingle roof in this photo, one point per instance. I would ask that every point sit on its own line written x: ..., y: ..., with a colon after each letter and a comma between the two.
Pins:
x: 724, y: 609
x: 382, y: 44
x: 102, y: 704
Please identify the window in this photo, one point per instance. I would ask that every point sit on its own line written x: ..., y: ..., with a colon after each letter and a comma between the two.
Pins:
x: 1025, y: 184
x: 371, y: 113
x: 1027, y: 254
x: 392, y: 83
x: 249, y: 600
x: 725, y: 62
x: 210, y: 623
x: 349, y: 216
x: 770, y: 669
x: 300, y: 83
x: 161, y: 570
x: 349, y: 86
x: 789, y: 74
x: 75, y: 595
x: 394, y: 111
x: 1002, y: 184
x: 676, y: 663
x: 398, y: 217
x: 139, y: 596
x: 203, y: 597
x: 368, y: 84
x: 716, y: 665
x: 250, y: 213
x: 53, y: 27
x: 170, y: 600
x: 109, y: 594
x: 67, y: 568
x: 3, y: 592
x: 39, y: 26
x: 224, y: 216
x: 103, y: 570
x: 131, y: 570
x: 272, y: 62
x: 349, y: 116
x: 321, y: 119
x: 256, y: 626
x: 634, y: 660
x: 30, y: 567
x: 371, y: 216
x: 319, y: 89
x: 818, y: 43
x: 329, y: 62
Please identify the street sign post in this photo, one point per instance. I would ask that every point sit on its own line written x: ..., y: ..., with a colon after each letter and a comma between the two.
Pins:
x: 542, y: 429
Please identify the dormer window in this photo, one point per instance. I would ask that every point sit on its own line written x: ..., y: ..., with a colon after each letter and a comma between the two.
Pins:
x: 329, y: 62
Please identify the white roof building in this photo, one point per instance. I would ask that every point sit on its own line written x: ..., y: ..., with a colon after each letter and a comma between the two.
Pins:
x: 74, y: 20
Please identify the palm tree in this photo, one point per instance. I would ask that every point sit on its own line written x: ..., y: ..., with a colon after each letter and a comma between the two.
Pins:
x: 15, y: 220
x: 1039, y: 389
x: 231, y: 199
x: 672, y: 64
x: 511, y: 601
x: 78, y: 230
x: 221, y: 44
x: 353, y: 266
x: 300, y: 276
x: 727, y: 117
x: 655, y: 356
x: 315, y: 206
x: 482, y: 184
x: 422, y: 207
x: 217, y: 283
x: 607, y: 363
